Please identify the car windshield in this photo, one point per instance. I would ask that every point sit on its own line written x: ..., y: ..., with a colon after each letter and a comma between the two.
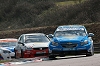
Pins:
x: 35, y: 38
x: 70, y: 33
x: 7, y: 44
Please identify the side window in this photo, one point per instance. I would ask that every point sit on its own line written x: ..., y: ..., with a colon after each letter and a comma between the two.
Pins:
x: 21, y: 39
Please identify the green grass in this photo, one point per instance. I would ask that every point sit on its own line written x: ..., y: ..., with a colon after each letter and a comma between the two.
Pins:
x: 3, y: 61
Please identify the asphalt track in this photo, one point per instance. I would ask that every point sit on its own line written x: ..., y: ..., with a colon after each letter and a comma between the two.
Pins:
x: 79, y: 60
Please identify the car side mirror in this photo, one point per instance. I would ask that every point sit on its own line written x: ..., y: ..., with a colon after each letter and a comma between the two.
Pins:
x: 50, y: 35
x: 21, y: 43
x: 90, y: 34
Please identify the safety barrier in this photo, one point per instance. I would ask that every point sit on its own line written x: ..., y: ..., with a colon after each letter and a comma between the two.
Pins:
x: 97, y: 47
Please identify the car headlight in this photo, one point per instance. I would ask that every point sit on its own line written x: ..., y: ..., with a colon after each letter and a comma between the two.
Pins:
x: 84, y: 42
x: 29, y: 48
x: 54, y: 43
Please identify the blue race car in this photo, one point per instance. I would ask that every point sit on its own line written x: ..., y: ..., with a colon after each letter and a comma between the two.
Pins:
x: 9, y: 43
x: 71, y: 40
x: 5, y: 54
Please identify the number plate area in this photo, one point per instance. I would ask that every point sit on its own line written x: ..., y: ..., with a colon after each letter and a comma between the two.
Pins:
x: 68, y: 49
x: 43, y: 52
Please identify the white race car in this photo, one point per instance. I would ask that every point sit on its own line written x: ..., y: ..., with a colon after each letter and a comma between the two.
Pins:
x: 33, y: 45
x: 5, y: 54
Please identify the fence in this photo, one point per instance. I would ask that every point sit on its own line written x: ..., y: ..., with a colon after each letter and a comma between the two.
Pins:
x: 97, y: 47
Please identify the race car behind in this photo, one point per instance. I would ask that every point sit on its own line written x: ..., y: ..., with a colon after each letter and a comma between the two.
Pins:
x: 5, y: 54
x: 32, y: 45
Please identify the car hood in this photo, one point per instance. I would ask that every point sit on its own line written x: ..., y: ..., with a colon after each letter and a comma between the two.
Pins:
x: 37, y: 44
x: 12, y: 54
x: 11, y: 48
x: 70, y: 38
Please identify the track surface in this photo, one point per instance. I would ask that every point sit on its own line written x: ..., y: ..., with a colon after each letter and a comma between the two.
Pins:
x: 67, y: 61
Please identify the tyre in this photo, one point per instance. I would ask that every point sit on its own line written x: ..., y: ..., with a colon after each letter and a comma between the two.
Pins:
x: 17, y: 55
x: 22, y: 53
x: 15, y: 52
x: 90, y: 53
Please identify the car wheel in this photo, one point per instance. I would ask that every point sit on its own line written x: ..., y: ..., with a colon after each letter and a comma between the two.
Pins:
x: 22, y: 53
x: 90, y: 53
x: 15, y: 53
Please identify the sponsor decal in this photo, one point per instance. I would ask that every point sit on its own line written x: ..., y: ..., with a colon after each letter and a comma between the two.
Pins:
x: 69, y: 28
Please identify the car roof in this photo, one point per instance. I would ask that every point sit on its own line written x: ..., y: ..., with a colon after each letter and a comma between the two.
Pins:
x: 8, y: 40
x: 80, y: 26
x: 70, y: 27
x: 34, y: 34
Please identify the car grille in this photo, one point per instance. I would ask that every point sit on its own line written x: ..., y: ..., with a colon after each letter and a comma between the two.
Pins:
x: 69, y: 45
x: 41, y: 48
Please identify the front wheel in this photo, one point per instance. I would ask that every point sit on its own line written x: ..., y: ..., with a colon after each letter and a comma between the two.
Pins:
x: 22, y: 53
x: 15, y: 53
x: 90, y: 53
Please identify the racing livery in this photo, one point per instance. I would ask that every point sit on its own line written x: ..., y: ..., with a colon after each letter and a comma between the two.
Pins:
x: 32, y: 45
x: 5, y: 54
x: 9, y: 43
x: 71, y: 39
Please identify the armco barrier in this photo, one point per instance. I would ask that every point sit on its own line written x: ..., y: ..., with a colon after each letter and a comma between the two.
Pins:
x: 97, y: 47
